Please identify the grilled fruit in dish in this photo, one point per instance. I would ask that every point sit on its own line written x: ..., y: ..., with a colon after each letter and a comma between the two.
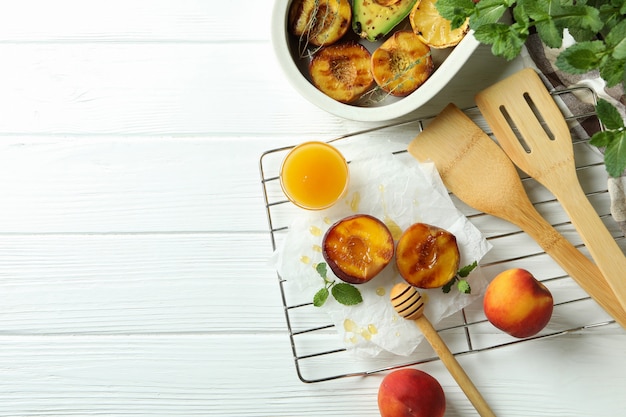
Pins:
x: 427, y: 256
x: 357, y: 248
x: 372, y: 20
x: 342, y: 71
x: 320, y: 22
x: 386, y: 2
x: 432, y: 28
x: 402, y: 63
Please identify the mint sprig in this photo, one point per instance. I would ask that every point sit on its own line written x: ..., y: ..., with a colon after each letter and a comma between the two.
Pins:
x: 344, y: 293
x: 460, y: 281
x: 612, y: 139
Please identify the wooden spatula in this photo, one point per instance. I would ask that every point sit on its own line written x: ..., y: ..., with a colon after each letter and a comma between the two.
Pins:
x: 543, y: 149
x: 477, y: 171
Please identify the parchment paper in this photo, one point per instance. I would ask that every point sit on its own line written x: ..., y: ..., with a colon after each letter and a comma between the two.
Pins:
x: 400, y: 191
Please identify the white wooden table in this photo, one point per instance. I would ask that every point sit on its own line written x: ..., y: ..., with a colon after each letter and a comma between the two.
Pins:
x: 134, y: 242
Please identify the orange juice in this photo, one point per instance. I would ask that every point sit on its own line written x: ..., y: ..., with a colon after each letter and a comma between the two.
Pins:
x: 314, y: 175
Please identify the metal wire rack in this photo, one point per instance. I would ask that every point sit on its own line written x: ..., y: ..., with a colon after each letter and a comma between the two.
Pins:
x: 314, y: 339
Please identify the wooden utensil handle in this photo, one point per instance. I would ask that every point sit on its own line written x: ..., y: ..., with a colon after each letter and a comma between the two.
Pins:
x: 455, y: 369
x: 574, y: 263
x: 608, y: 256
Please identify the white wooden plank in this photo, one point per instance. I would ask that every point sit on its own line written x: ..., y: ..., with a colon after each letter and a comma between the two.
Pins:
x: 130, y: 184
x: 134, y: 21
x: 156, y: 283
x: 114, y: 88
x: 174, y: 376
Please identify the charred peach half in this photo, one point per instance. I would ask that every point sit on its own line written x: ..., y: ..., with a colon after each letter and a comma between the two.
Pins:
x: 320, y: 22
x: 427, y: 256
x: 402, y: 63
x: 342, y: 71
x: 357, y: 248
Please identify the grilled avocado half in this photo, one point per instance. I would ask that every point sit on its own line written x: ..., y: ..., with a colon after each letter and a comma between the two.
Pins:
x: 372, y: 21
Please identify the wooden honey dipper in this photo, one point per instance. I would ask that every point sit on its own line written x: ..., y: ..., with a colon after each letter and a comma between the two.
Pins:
x: 408, y: 303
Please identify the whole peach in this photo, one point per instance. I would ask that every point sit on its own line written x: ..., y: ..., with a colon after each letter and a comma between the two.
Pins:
x: 411, y: 393
x: 517, y: 303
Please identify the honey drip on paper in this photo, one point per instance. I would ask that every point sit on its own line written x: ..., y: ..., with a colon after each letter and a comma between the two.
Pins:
x: 355, y: 202
x: 305, y: 259
x: 380, y: 291
x: 317, y: 248
x: 315, y: 231
x: 365, y: 332
x: 396, y: 231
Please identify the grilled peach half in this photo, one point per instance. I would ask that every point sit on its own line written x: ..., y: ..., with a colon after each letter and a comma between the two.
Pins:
x: 402, y: 63
x: 342, y: 71
x: 357, y: 248
x: 427, y: 256
x: 320, y: 22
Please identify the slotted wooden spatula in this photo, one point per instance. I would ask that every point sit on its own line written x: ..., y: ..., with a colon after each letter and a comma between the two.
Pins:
x: 477, y: 171
x: 543, y: 149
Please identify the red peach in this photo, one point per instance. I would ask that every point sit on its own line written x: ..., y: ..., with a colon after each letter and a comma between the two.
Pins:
x: 517, y: 303
x: 411, y: 393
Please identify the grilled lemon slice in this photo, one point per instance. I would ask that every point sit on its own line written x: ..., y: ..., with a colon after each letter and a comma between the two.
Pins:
x: 432, y: 28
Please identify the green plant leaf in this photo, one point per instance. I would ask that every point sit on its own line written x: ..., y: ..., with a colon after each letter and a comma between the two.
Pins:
x: 601, y: 139
x: 608, y: 115
x: 549, y: 33
x: 467, y: 269
x: 488, y: 11
x: 322, y: 269
x: 456, y: 11
x: 464, y: 287
x: 581, y: 57
x: 579, y: 15
x: 613, y: 71
x: 615, y: 154
x: 320, y: 297
x: 448, y: 286
x: 616, y: 40
x: 505, y: 41
x: 613, y: 139
x: 346, y: 294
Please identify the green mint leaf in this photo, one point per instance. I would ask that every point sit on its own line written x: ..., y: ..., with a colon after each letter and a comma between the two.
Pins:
x: 602, y: 139
x: 464, y: 287
x: 346, y: 294
x: 446, y: 288
x: 456, y: 11
x: 550, y: 34
x: 322, y: 269
x: 320, y: 297
x: 579, y: 16
x: 536, y: 10
x: 505, y: 40
x: 616, y: 40
x: 608, y: 115
x: 615, y: 154
x: 613, y: 71
x: 488, y: 11
x: 466, y: 270
x: 581, y: 57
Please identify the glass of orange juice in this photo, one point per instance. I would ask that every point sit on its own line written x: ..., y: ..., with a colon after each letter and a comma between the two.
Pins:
x: 314, y: 175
